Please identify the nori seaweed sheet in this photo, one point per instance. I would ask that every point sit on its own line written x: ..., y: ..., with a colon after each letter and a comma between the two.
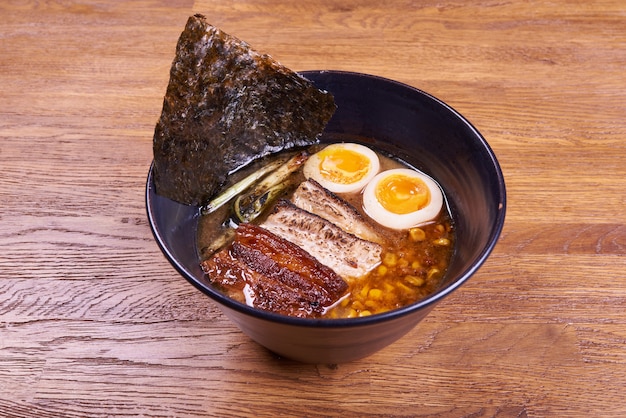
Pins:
x: 225, y: 106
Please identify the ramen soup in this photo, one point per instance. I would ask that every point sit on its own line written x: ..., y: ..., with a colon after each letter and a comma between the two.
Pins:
x: 338, y: 231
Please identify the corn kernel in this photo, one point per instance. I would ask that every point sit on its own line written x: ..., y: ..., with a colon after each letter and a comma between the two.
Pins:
x: 390, y: 259
x: 363, y: 293
x: 382, y: 270
x: 352, y: 314
x: 417, y: 234
x: 357, y: 305
x: 444, y: 242
x: 414, y: 280
x: 432, y: 272
x: 375, y: 293
x: 371, y: 304
x: 365, y: 313
x: 404, y: 288
x: 415, y: 265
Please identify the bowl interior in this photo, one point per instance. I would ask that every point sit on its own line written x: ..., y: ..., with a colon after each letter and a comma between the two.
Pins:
x: 405, y: 122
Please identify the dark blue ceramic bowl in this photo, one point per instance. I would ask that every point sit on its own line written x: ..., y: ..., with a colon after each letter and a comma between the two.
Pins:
x: 415, y: 127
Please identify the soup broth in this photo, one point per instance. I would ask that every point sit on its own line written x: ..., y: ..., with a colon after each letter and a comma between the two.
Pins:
x: 413, y: 261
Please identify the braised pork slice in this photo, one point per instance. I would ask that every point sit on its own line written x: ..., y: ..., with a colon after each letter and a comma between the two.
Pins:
x: 348, y: 255
x: 314, y: 198
x: 274, y: 274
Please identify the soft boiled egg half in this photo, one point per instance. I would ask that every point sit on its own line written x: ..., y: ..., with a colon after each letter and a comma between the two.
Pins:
x: 402, y: 198
x: 342, y: 167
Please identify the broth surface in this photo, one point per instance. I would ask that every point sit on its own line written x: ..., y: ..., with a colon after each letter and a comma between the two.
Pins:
x: 413, y: 261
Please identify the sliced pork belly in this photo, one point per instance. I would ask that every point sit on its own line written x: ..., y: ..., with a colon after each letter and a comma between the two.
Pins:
x: 274, y: 274
x: 348, y: 255
x: 314, y: 198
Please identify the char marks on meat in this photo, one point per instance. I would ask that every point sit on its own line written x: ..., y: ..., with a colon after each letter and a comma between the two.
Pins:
x: 314, y: 198
x: 348, y: 255
x: 225, y: 106
x: 277, y: 275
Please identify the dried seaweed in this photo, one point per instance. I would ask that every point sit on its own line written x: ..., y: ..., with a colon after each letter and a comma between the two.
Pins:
x: 225, y: 106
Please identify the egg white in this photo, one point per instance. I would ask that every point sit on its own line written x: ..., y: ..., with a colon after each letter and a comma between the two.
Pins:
x: 311, y: 169
x: 407, y: 220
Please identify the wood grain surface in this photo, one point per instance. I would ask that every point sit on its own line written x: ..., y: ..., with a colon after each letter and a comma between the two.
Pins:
x: 95, y: 322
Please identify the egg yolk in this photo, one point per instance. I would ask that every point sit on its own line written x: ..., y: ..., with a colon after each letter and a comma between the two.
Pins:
x: 401, y: 194
x: 343, y: 166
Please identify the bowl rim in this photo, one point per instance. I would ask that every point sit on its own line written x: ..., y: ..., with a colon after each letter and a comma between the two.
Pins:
x: 431, y: 299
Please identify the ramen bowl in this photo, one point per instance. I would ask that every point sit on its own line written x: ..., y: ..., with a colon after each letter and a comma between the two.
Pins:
x: 416, y: 128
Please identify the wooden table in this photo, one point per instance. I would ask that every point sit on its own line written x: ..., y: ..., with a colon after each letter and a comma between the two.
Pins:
x: 95, y: 322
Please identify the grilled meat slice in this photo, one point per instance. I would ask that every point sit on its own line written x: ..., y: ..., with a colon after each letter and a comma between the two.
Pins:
x: 228, y: 273
x: 348, y: 255
x: 314, y: 198
x: 274, y: 274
